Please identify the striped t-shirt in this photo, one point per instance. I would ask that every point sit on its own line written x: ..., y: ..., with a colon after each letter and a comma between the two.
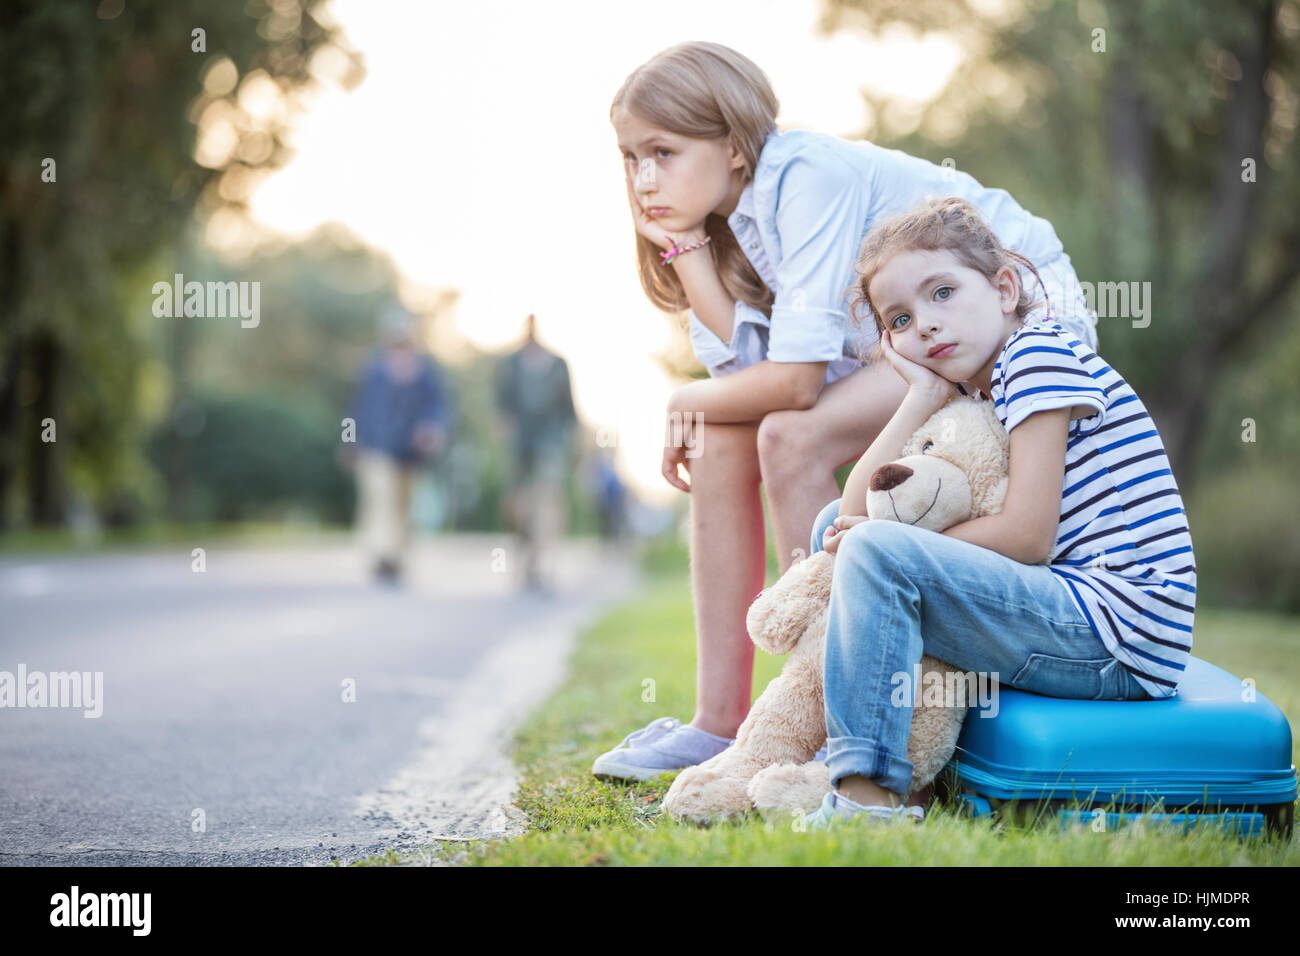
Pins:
x: 1123, y: 549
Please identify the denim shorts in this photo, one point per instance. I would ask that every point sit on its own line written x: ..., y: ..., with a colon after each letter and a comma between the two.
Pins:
x: 899, y: 591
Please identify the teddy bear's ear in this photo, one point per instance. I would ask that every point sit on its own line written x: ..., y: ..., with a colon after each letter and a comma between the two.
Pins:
x: 781, y: 614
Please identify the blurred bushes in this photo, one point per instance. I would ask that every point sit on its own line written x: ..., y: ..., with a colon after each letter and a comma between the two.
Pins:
x: 252, y: 456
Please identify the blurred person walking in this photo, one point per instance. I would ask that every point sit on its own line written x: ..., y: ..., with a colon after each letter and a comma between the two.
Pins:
x: 611, y: 495
x: 404, y: 413
x: 535, y: 400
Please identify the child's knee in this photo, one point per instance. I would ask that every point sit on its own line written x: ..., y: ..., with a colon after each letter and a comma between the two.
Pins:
x: 891, y: 539
x: 824, y: 520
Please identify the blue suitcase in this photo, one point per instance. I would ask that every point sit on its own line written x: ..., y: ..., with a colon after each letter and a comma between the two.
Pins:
x: 1204, y: 757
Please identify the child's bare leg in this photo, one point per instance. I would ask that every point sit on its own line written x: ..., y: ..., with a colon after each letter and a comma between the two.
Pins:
x: 728, y: 564
x: 867, y: 792
x: 799, y: 450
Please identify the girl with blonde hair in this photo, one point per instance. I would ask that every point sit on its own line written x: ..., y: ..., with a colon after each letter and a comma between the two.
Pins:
x: 756, y: 231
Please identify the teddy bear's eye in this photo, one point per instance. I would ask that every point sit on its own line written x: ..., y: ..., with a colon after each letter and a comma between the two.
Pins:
x: 926, y: 447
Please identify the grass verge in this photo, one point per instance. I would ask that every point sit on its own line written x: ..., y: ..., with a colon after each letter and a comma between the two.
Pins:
x: 576, y: 820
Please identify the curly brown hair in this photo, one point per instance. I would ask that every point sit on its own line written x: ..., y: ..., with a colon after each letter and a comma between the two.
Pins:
x: 948, y: 223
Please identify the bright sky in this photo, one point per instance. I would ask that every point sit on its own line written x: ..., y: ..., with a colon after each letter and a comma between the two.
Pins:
x: 479, y: 143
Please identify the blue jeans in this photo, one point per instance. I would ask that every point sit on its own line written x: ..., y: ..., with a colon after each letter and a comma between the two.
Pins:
x: 898, y: 591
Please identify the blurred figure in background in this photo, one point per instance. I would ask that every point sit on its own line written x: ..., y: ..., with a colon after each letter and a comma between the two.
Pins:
x: 535, y: 400
x: 404, y: 413
x: 611, y: 495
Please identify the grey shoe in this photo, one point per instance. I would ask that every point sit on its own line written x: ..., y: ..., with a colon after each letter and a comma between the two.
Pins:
x: 662, y: 746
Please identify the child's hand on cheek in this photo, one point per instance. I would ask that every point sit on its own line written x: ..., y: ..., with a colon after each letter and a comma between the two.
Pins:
x: 651, y: 228
x: 918, y: 377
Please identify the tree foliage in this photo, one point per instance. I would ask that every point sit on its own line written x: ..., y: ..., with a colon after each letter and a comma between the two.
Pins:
x: 115, y: 96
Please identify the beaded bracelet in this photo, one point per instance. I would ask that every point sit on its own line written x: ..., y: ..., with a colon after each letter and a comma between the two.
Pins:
x: 677, y: 250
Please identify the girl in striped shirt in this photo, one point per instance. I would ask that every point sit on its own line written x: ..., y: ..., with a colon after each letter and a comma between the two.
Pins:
x: 1083, y: 586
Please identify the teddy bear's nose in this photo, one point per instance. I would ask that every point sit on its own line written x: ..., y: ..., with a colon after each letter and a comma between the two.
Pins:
x: 889, y: 476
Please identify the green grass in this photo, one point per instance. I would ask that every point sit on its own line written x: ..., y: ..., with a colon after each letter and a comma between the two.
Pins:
x: 575, y: 819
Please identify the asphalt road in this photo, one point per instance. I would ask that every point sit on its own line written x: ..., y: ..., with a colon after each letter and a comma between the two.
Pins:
x: 226, y: 736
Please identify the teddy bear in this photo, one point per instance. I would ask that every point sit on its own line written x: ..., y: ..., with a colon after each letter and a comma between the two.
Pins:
x: 954, y: 468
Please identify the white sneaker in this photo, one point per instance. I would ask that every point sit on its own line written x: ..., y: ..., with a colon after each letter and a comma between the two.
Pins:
x: 662, y: 746
x: 836, y: 809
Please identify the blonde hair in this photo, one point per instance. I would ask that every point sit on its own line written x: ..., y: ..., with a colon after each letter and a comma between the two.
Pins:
x: 949, y: 223
x: 703, y: 90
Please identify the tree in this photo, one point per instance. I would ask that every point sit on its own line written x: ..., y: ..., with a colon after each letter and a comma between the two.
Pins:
x: 120, y: 123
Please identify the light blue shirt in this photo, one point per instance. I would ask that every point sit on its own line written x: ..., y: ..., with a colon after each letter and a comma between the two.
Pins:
x: 801, y: 221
